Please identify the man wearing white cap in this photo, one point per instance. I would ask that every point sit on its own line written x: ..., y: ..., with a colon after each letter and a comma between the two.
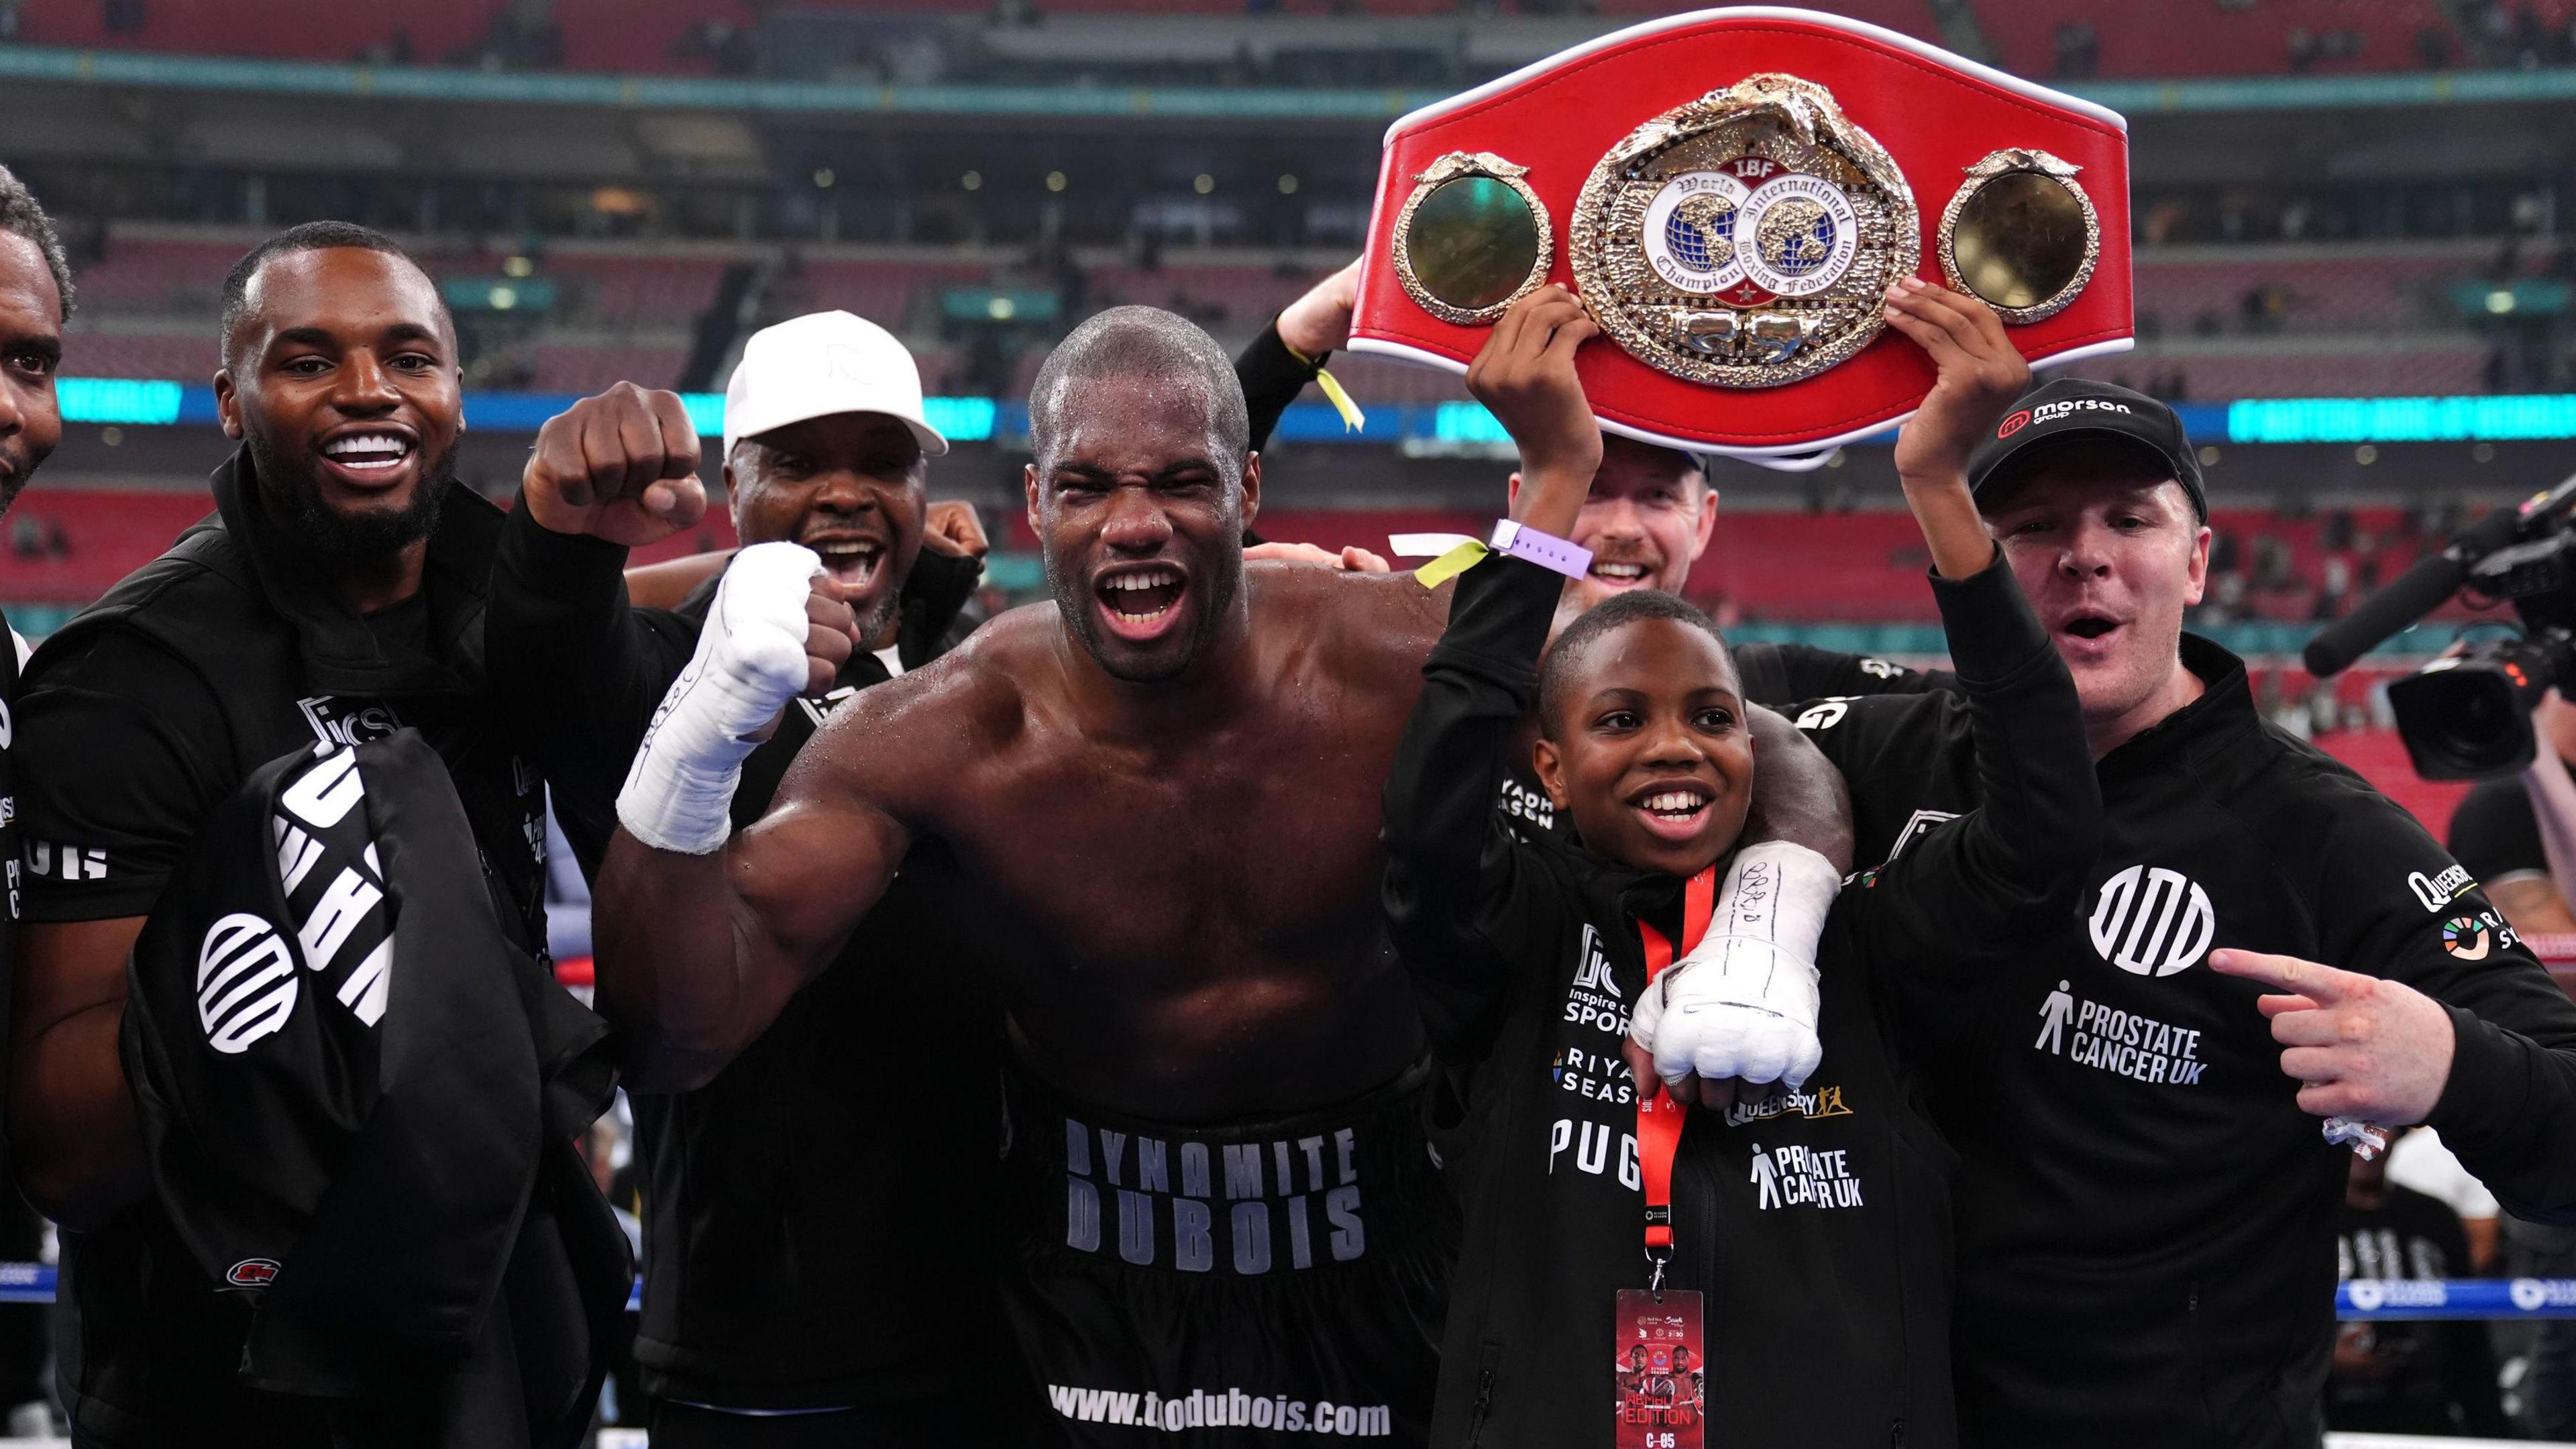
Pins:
x: 813, y: 1241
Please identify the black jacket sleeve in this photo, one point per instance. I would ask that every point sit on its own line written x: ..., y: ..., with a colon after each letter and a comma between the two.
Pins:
x: 1780, y: 675
x: 2390, y: 902
x: 1977, y: 890
x: 578, y: 670
x: 1458, y: 891
x: 1272, y: 376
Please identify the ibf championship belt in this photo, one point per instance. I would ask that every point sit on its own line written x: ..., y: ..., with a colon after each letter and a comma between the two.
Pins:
x: 1731, y: 192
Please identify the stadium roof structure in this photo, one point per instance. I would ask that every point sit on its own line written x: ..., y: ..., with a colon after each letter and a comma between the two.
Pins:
x: 786, y: 97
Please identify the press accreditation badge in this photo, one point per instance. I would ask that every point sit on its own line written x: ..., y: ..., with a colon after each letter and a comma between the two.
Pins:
x: 1661, y: 1371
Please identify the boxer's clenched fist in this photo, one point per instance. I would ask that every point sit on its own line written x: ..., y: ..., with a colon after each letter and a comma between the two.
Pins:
x: 774, y: 631
x: 621, y: 466
x: 1735, y: 1011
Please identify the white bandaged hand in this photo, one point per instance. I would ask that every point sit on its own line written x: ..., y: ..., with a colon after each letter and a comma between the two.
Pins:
x: 750, y: 662
x: 1742, y: 1003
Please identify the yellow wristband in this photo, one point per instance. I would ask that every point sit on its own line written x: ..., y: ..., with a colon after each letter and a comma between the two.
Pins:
x: 1451, y: 564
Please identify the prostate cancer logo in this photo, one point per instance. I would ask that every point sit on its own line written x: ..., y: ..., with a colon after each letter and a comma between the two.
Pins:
x: 2013, y: 424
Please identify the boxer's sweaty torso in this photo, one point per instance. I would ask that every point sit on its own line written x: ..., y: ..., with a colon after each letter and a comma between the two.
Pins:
x: 1178, y: 895
x: 1184, y: 920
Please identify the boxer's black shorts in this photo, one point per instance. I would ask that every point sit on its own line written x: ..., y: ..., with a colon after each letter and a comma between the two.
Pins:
x: 1240, y: 1283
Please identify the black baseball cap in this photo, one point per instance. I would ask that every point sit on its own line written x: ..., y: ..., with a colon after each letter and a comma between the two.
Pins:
x: 2074, y: 407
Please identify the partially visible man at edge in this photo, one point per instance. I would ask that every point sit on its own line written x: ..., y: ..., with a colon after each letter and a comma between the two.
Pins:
x: 1085, y: 787
x: 35, y: 302
x: 335, y: 596
x: 815, y: 1268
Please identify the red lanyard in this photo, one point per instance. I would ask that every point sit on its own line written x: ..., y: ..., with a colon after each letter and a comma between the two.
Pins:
x: 1659, y: 1122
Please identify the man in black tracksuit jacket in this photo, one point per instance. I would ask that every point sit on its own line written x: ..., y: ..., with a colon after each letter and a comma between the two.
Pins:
x: 1827, y: 1305
x: 2146, y: 1210
x: 808, y: 1245
x: 252, y: 638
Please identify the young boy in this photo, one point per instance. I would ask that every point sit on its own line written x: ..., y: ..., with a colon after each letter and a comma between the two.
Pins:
x: 1772, y: 1270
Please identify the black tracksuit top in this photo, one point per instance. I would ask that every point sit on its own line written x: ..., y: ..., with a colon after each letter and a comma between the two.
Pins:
x: 806, y: 1245
x: 1827, y: 1287
x: 2146, y: 1217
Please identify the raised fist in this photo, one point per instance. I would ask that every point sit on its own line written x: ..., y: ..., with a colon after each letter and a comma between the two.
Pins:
x: 621, y: 466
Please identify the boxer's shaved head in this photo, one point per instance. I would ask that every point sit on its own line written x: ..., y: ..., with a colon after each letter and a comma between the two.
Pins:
x: 1141, y: 484
x: 1140, y: 342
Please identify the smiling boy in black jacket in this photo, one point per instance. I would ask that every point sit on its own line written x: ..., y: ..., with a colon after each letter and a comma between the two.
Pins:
x: 1814, y: 1223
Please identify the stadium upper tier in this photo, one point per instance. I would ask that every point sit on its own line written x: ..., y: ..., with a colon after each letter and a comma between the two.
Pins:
x: 2248, y: 321
x: 66, y: 543
x: 953, y: 39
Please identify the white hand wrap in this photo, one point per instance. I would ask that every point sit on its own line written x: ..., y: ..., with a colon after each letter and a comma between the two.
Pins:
x: 750, y: 663
x: 1742, y: 1003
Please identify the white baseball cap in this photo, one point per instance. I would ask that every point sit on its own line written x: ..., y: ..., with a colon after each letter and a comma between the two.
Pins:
x: 820, y: 364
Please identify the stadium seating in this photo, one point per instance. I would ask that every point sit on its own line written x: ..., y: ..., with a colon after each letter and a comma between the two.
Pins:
x: 2295, y: 288
x: 2364, y: 366
x: 2212, y: 37
x: 561, y: 368
x: 2171, y: 38
x: 599, y: 35
x: 190, y: 356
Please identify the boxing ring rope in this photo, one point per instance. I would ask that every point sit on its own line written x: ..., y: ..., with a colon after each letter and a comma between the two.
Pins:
x: 2402, y: 1300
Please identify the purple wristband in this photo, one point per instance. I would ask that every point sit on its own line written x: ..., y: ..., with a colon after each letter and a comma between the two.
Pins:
x: 1546, y: 550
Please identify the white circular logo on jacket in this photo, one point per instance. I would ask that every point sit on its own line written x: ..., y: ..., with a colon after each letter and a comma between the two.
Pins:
x: 245, y: 982
x: 2152, y: 921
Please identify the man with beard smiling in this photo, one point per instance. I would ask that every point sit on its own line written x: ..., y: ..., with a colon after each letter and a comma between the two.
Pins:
x: 1153, y: 808
x: 803, y: 1285
x: 334, y: 597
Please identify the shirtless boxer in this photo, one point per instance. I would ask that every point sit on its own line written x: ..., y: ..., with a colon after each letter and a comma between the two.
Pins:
x: 1154, y: 807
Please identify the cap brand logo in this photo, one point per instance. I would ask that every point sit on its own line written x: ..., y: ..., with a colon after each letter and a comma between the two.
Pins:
x: 2013, y: 424
x: 2052, y: 411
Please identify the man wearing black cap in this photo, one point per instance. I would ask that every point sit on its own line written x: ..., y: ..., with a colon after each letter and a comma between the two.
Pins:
x: 2146, y: 1204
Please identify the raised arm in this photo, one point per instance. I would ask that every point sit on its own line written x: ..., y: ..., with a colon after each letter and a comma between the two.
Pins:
x: 579, y: 668
x: 700, y: 942
x: 698, y: 953
x: 1276, y: 365
x: 1453, y: 893
x: 1453, y: 896
x: 2013, y: 868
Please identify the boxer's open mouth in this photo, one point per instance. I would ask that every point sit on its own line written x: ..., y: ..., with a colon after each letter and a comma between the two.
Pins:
x: 1672, y: 810
x: 1620, y: 574
x: 2090, y: 626
x: 1139, y: 602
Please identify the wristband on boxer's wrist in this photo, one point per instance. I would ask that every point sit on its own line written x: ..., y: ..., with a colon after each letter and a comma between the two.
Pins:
x: 1544, y: 549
